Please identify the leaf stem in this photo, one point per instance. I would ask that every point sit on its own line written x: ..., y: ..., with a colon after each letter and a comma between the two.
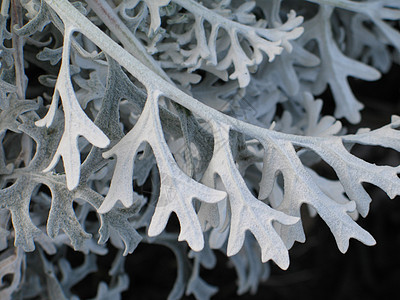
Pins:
x: 5, y: 6
x: 153, y: 81
x: 122, y: 32
x: 21, y: 80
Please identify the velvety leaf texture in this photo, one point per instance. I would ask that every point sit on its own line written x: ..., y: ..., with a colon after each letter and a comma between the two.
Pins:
x: 147, y: 110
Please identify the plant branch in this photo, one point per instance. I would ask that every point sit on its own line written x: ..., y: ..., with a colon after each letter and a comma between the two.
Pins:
x: 122, y: 32
x: 21, y: 80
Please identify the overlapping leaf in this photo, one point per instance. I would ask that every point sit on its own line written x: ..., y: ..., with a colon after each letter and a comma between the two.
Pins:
x: 77, y: 123
x: 177, y: 189
x: 335, y: 66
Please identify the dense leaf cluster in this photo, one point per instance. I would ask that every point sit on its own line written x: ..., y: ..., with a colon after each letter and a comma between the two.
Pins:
x: 205, y: 110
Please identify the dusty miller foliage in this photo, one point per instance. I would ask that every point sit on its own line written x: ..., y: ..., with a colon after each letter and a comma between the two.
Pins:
x: 181, y: 96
